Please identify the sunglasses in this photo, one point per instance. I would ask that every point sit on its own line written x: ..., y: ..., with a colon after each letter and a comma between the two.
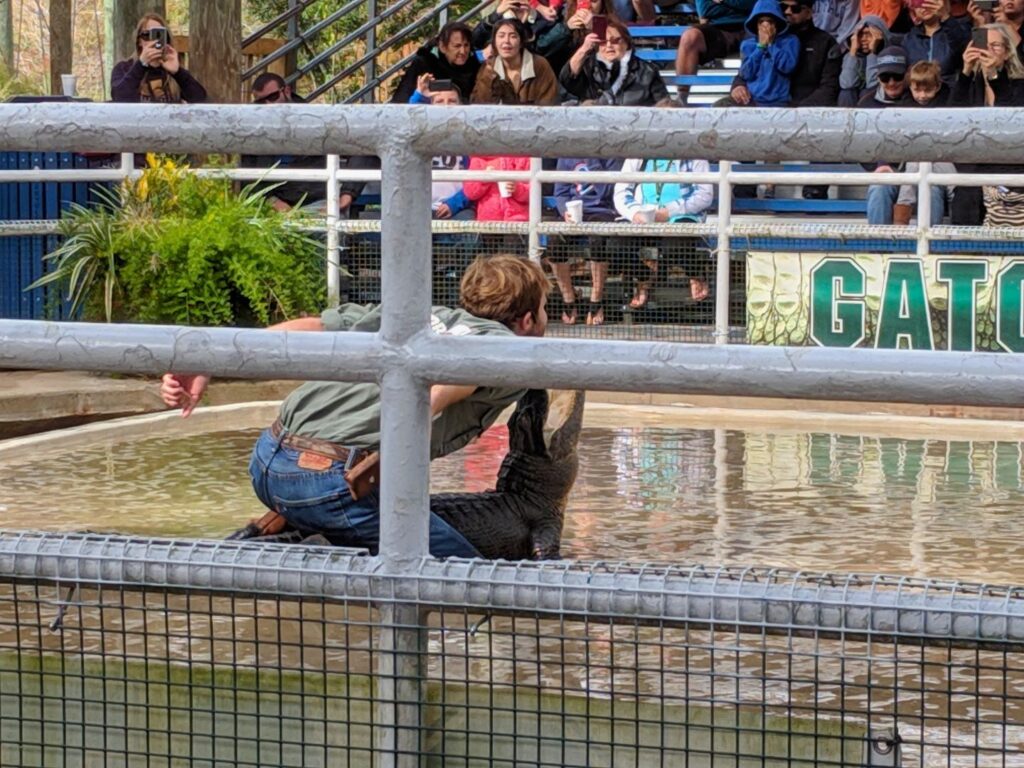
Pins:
x: 157, y: 33
x: 888, y: 77
x: 791, y: 8
x: 271, y: 97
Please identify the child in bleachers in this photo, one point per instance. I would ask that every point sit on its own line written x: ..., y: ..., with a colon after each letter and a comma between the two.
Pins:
x: 859, y: 75
x: 769, y: 56
x: 927, y: 90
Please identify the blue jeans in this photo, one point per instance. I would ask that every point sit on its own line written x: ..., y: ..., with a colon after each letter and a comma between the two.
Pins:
x: 320, y: 502
x: 624, y: 10
x: 882, y: 197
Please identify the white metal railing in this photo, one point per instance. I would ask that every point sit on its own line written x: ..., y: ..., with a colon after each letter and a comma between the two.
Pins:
x: 721, y: 226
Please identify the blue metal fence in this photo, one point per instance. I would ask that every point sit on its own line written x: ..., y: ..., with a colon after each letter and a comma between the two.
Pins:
x: 21, y: 257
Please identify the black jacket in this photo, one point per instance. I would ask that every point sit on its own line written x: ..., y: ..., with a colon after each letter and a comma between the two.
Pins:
x: 871, y: 101
x: 642, y: 86
x: 969, y: 91
x: 815, y: 81
x: 430, y: 59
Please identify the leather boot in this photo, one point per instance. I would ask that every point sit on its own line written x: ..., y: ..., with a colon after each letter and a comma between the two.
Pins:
x: 901, y: 213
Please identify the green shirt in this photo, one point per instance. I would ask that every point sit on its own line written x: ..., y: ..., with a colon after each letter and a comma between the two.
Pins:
x: 348, y: 413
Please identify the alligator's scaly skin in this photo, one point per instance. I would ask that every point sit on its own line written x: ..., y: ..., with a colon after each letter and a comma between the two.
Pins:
x: 522, y: 517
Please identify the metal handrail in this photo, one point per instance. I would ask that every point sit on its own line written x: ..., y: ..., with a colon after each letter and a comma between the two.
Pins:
x: 377, y: 81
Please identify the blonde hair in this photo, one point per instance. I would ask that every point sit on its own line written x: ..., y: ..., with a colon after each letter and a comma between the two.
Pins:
x: 1013, y: 66
x: 926, y: 73
x: 503, y: 288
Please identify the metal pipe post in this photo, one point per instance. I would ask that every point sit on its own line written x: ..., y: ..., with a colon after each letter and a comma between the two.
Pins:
x: 723, y: 253
x: 924, y: 210
x: 405, y: 446
x: 333, y: 256
x: 536, y: 207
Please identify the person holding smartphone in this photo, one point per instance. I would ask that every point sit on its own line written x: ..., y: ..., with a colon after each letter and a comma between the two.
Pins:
x: 992, y: 76
x: 447, y: 57
x: 937, y: 37
x: 605, y: 70
x: 154, y: 73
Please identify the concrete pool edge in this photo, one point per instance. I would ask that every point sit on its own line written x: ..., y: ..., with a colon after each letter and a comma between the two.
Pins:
x: 598, y: 414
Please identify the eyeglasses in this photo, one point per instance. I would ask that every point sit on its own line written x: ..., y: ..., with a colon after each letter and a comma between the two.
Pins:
x: 997, y: 46
x: 889, y: 77
x: 270, y: 97
x: 613, y: 41
x: 156, y: 33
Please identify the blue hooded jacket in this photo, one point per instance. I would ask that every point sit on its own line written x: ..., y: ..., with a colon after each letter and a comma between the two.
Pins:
x: 766, y: 69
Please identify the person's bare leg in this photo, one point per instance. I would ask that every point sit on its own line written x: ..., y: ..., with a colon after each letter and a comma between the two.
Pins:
x: 598, y: 277
x: 645, y: 13
x: 698, y: 289
x: 691, y: 48
x: 563, y: 276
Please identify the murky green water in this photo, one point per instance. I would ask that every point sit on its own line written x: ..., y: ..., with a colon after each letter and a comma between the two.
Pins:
x: 814, y: 501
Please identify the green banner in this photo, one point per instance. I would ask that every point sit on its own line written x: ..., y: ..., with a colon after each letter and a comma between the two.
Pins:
x: 885, y: 301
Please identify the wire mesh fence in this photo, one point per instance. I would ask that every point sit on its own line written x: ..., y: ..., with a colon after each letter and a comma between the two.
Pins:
x: 299, y: 661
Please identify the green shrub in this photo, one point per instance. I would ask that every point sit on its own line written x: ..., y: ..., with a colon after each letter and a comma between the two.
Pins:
x: 175, y: 248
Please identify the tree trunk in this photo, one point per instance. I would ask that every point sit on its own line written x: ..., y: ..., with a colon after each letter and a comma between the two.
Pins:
x: 60, y: 43
x: 122, y: 17
x: 215, y: 41
x: 7, y: 35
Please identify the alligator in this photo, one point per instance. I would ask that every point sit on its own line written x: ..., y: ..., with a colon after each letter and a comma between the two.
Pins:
x: 521, y: 518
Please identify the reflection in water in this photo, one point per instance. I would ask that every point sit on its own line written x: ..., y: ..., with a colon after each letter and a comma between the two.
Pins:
x: 812, y: 501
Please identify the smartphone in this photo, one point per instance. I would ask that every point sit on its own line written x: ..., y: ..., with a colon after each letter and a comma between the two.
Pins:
x: 985, y: 5
x: 979, y: 38
x: 161, y: 37
x: 440, y: 85
x: 599, y: 26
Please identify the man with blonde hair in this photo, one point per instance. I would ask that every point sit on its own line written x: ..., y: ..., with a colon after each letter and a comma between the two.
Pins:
x: 317, y: 465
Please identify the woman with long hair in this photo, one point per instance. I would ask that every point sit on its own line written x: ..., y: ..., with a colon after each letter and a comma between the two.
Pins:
x: 154, y: 73
x: 514, y: 75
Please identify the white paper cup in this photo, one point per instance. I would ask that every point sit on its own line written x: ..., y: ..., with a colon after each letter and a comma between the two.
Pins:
x: 648, y: 212
x: 69, y: 85
x: 575, y: 210
x: 505, y: 189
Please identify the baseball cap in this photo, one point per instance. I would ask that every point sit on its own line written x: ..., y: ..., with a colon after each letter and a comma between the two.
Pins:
x: 892, y: 61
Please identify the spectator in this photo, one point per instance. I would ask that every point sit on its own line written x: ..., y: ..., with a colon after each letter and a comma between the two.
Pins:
x: 499, y: 200
x: 891, y: 92
x: 639, y: 11
x: 991, y: 77
x: 598, y: 205
x: 154, y: 73
x: 815, y: 80
x: 448, y: 200
x: 937, y: 37
x: 608, y: 72
x: 670, y: 201
x: 887, y: 10
x: 447, y: 57
x: 718, y: 35
x: 858, y: 75
x: 927, y: 90
x: 769, y: 56
x: 514, y: 75
x: 1011, y: 13
x: 544, y: 30
x: 839, y: 18
x: 271, y: 89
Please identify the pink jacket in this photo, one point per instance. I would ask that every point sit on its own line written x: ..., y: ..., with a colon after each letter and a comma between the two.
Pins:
x: 490, y: 205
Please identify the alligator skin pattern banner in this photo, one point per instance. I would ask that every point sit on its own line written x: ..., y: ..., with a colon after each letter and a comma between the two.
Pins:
x: 888, y: 301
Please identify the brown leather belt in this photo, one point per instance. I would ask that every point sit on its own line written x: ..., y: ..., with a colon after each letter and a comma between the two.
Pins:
x: 316, y: 445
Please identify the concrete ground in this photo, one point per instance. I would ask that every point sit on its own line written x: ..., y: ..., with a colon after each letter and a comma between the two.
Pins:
x: 35, y: 401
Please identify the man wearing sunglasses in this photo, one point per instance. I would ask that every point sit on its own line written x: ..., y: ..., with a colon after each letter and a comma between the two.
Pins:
x: 272, y: 90
x: 892, y: 91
